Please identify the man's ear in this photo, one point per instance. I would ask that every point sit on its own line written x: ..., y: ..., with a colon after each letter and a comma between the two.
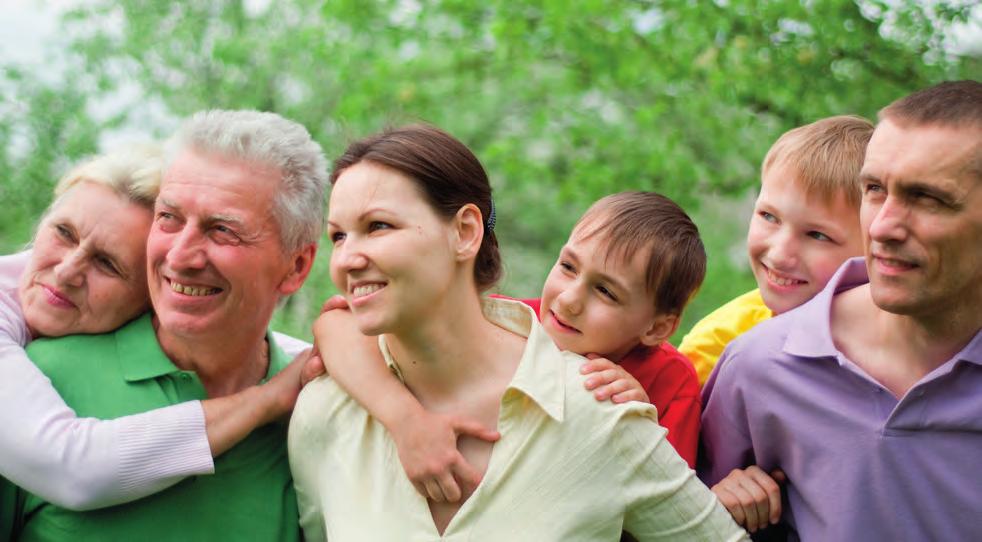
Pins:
x: 300, y: 264
x: 468, y: 232
x: 662, y: 327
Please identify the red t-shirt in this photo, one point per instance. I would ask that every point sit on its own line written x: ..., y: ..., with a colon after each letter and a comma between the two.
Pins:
x: 670, y: 381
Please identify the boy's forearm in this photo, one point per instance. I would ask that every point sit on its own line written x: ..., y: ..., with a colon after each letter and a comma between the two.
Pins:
x: 356, y: 364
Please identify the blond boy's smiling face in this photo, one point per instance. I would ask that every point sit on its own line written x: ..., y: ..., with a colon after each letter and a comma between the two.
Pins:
x: 599, y: 305
x: 797, y: 241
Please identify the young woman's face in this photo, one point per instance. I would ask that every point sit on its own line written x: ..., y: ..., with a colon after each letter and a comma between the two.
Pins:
x: 392, y: 257
x: 87, y: 272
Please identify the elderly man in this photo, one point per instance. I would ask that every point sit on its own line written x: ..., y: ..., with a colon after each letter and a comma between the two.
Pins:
x: 235, y: 229
x: 869, y: 397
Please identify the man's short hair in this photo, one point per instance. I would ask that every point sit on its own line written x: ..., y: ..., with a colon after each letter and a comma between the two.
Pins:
x: 825, y: 157
x: 951, y: 104
x: 631, y: 222
x: 270, y: 140
x: 133, y: 172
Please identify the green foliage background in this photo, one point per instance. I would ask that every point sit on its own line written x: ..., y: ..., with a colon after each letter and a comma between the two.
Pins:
x: 563, y: 101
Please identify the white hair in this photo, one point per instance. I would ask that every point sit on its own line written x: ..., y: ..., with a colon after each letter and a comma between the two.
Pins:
x: 271, y: 140
x: 132, y: 172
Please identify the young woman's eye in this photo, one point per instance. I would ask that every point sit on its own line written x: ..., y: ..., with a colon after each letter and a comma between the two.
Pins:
x: 566, y: 266
x: 377, y: 225
x: 337, y: 237
x: 767, y: 216
x: 817, y: 235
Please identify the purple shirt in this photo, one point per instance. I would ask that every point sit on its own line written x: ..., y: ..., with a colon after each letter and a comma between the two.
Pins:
x: 861, y: 465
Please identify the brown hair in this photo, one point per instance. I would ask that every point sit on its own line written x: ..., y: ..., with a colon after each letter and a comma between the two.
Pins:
x: 447, y: 173
x: 825, y: 157
x: 633, y: 221
x: 952, y: 104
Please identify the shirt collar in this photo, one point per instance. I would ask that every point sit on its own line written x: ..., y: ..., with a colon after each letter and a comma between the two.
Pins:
x: 142, y: 358
x: 810, y: 333
x: 541, y: 372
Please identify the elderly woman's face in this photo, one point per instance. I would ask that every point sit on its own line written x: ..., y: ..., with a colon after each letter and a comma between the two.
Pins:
x: 87, y: 272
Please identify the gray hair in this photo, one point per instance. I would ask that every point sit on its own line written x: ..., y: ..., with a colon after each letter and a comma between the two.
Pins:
x: 271, y: 140
x: 132, y: 172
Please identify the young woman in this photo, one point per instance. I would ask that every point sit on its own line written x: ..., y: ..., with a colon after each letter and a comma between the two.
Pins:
x: 86, y: 273
x: 411, y: 221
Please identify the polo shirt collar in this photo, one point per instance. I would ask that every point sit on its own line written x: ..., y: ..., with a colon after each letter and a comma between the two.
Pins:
x: 541, y: 372
x: 142, y: 358
x: 810, y: 333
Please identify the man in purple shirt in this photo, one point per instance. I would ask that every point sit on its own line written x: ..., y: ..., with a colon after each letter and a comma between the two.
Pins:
x: 869, y: 396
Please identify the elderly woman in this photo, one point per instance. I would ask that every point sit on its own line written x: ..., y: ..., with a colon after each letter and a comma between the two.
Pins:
x: 413, y: 250
x: 86, y: 273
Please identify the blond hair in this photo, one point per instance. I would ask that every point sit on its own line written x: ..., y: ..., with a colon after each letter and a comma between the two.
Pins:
x: 825, y: 157
x: 132, y: 172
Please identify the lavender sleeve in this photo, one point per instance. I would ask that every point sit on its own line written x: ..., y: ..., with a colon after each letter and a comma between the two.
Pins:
x: 725, y: 441
x: 84, y: 463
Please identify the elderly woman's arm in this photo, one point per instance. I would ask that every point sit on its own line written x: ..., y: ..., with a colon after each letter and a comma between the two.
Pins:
x: 85, y: 463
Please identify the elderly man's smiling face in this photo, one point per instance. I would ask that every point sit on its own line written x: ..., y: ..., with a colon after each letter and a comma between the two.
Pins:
x: 214, y: 256
x: 922, y: 217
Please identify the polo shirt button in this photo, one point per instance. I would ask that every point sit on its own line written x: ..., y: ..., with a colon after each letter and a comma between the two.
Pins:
x: 185, y: 377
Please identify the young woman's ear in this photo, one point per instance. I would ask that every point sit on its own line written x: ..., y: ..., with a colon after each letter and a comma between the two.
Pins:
x: 662, y: 327
x: 468, y: 232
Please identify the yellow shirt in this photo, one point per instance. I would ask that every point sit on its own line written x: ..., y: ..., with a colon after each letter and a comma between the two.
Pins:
x: 567, y: 467
x: 705, y: 342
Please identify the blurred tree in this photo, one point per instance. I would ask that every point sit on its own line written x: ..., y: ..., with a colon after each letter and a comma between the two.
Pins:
x: 563, y: 101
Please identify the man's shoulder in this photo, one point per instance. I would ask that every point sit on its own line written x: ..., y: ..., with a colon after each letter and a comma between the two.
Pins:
x: 71, y: 352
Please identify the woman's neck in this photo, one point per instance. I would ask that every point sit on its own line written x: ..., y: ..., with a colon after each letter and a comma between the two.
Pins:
x: 443, y: 358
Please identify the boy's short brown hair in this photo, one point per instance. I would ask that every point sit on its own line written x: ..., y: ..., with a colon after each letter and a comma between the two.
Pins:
x: 825, y: 157
x: 629, y: 222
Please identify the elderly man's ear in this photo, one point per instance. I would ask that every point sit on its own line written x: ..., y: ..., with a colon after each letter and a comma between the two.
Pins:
x: 301, y: 262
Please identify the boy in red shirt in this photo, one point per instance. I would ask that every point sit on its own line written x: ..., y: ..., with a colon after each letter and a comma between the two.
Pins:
x: 615, y: 294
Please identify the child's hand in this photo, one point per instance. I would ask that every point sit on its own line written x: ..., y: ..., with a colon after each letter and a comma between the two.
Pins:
x: 610, y: 381
x: 751, y: 496
x: 281, y: 391
x: 334, y: 302
x: 427, y: 445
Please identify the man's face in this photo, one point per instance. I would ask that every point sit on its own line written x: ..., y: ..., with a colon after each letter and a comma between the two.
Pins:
x: 922, y: 218
x: 214, y: 257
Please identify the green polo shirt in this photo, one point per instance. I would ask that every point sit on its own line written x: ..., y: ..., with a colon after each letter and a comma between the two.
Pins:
x: 250, y: 496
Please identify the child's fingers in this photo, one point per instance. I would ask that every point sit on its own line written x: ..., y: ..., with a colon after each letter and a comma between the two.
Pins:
x: 449, y: 487
x: 595, y: 364
x: 730, y: 502
x: 602, y: 378
x: 632, y: 394
x: 467, y: 475
x: 312, y: 368
x: 755, y: 502
x: 433, y: 490
x: 334, y: 302
x: 473, y: 428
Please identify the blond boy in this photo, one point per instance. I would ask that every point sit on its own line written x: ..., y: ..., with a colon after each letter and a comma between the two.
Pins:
x: 805, y: 224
